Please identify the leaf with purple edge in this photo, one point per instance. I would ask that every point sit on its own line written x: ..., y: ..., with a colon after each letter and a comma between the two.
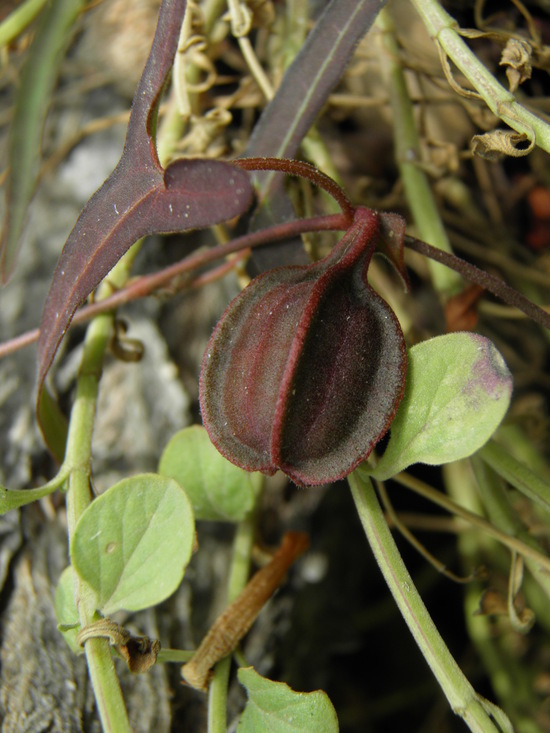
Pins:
x: 458, y: 391
x: 53, y: 423
x: 139, y: 198
x: 306, y: 368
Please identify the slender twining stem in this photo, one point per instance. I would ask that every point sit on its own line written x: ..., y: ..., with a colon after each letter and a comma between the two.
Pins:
x: 243, y: 545
x: 241, y: 25
x: 175, y: 656
x: 145, y: 285
x: 238, y: 575
x: 303, y: 170
x: 517, y: 474
x: 110, y: 702
x: 436, y: 497
x: 107, y: 691
x: 445, y: 32
x: 489, y: 282
x: 14, y: 498
x: 476, y: 712
x: 408, y: 155
x: 19, y: 20
x: 395, y: 521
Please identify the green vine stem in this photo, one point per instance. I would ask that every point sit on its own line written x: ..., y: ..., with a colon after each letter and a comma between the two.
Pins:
x: 107, y: 691
x: 14, y: 498
x: 520, y: 476
x: 18, y: 20
x: 33, y: 94
x: 502, y: 512
x: 479, y: 714
x: 511, y: 542
x: 445, y: 32
x: 238, y: 577
x: 511, y: 683
x: 108, y: 695
x: 408, y: 157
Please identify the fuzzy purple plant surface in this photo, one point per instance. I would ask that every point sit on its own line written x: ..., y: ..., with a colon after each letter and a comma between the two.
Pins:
x: 306, y: 368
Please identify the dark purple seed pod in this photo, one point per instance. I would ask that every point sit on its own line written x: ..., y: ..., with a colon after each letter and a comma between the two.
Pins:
x: 306, y: 368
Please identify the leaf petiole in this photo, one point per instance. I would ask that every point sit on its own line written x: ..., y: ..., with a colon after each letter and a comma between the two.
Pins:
x: 477, y: 713
x: 15, y: 498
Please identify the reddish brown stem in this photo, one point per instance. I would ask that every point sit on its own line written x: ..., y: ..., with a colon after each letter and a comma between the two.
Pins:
x: 303, y: 170
x: 238, y: 617
x: 493, y: 284
x: 19, y: 342
x: 145, y: 285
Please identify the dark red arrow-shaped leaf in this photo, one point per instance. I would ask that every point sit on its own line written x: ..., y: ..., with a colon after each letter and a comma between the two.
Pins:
x: 138, y: 198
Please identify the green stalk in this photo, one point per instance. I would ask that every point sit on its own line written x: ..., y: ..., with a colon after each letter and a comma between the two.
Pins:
x: 512, y: 683
x: 18, y: 20
x: 105, y: 684
x: 35, y: 89
x: 107, y: 691
x: 212, y: 11
x: 238, y: 577
x: 14, y: 498
x: 514, y: 544
x: 408, y: 156
x: 502, y: 513
x: 174, y: 656
x: 478, y: 713
x: 444, y: 30
x: 520, y: 476
x: 518, y: 444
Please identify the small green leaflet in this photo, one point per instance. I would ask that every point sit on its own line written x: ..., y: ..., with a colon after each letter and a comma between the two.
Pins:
x: 275, y: 707
x: 457, y: 392
x: 133, y: 542
x: 218, y: 490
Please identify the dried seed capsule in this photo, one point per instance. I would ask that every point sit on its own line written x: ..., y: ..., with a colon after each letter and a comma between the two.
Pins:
x: 306, y: 368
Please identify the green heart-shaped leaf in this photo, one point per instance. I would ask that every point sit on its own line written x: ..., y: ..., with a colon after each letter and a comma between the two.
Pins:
x: 133, y: 542
x: 218, y: 490
x: 457, y: 392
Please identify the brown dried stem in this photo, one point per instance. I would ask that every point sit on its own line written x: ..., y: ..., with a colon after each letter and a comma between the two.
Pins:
x: 239, y: 616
